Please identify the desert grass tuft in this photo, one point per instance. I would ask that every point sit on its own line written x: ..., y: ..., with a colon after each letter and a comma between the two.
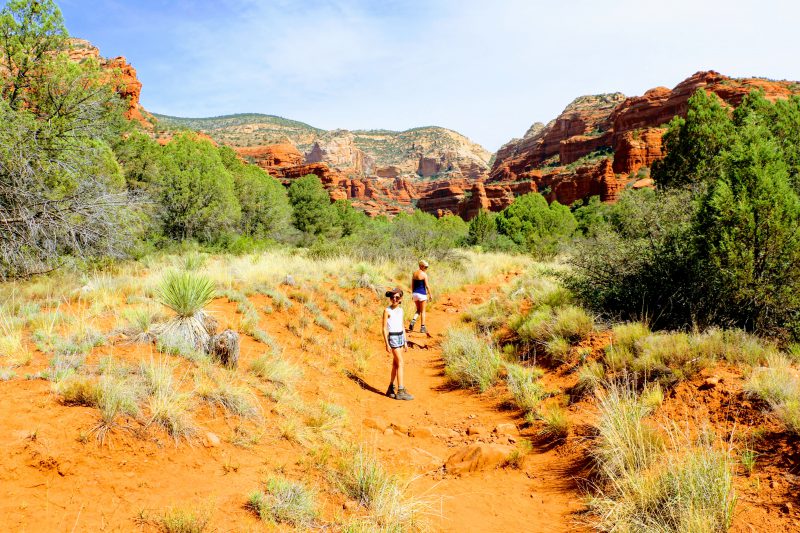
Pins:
x: 470, y: 361
x: 193, y: 519
x: 556, y: 424
x: 219, y: 388
x: 524, y: 386
x: 275, y: 369
x: 285, y: 502
x: 362, y: 478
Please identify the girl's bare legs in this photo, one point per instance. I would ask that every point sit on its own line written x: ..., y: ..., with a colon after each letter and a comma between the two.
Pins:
x: 421, y: 311
x: 397, y: 366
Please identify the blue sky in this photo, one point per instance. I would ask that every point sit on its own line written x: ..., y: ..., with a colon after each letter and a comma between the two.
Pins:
x: 485, y: 69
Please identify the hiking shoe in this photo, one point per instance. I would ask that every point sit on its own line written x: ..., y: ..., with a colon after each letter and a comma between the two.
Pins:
x: 402, y: 394
x: 411, y: 326
x: 423, y: 329
x: 390, y: 392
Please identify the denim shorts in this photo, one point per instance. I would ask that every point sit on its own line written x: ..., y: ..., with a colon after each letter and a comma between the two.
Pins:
x: 397, y: 340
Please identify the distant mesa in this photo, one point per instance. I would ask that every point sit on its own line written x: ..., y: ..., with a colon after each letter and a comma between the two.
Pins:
x: 598, y: 146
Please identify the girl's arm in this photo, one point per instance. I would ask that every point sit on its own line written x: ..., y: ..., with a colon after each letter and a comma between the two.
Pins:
x: 428, y: 287
x: 385, y: 329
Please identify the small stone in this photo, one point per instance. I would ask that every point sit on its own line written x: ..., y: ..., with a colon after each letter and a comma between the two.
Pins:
x: 788, y: 507
x: 399, y: 428
x: 212, y: 441
x: 710, y: 383
x: 505, y: 429
x: 476, y: 430
x: 388, y: 431
x: 472, y: 416
x: 510, y: 439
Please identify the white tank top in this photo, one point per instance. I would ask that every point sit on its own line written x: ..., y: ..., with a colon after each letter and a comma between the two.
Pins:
x: 395, y: 319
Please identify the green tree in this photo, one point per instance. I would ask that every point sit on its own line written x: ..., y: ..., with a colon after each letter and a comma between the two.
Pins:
x: 348, y: 218
x: 693, y: 143
x: 481, y: 228
x: 312, y: 212
x: 748, y: 232
x: 264, y: 202
x: 31, y: 32
x: 536, y: 226
x: 61, y: 190
x: 196, y: 191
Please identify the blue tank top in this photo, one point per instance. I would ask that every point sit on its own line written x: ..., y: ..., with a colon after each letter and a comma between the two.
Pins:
x: 418, y: 286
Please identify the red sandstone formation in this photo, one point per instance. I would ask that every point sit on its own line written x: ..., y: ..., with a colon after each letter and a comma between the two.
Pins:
x: 587, y: 118
x: 637, y: 139
x: 123, y: 74
x: 632, y: 128
x: 274, y: 156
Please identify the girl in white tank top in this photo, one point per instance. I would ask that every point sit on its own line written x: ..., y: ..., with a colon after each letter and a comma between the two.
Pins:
x: 395, y: 338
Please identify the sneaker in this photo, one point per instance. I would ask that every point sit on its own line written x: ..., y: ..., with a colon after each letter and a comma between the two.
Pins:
x: 402, y: 394
x: 423, y: 329
x: 390, y: 392
x: 411, y: 326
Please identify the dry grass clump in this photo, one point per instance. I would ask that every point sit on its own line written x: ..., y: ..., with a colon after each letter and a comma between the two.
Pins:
x: 572, y: 323
x: 556, y: 423
x: 655, y: 485
x: 490, y: 315
x: 168, y: 406
x: 275, y: 369
x: 778, y: 383
x: 220, y: 389
x: 186, y: 294
x: 626, y: 444
x: 523, y: 384
x: 140, y: 325
x: 470, y: 361
x: 7, y: 373
x: 362, y: 478
x: 185, y: 520
x: 591, y: 376
x: 327, y: 417
x: 284, y: 502
x: 669, y: 357
x: 112, y: 395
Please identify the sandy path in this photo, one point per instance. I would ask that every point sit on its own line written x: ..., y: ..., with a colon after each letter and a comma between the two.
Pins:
x: 539, y: 497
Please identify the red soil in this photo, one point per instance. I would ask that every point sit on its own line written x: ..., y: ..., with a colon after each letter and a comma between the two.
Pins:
x: 54, y: 478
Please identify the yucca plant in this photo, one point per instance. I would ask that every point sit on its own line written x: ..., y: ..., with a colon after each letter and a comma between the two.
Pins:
x: 186, y: 294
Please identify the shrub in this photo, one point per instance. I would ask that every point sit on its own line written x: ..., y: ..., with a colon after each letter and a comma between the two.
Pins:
x: 470, y: 361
